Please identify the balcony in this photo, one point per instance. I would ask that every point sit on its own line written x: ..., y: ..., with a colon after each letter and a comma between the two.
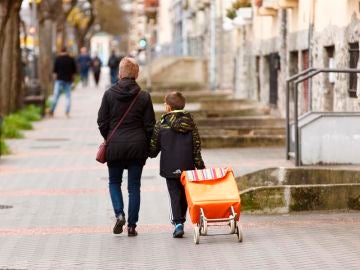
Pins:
x: 151, y: 9
x: 267, y: 7
x: 288, y: 3
x: 151, y: 4
x: 270, y: 4
x: 203, y: 4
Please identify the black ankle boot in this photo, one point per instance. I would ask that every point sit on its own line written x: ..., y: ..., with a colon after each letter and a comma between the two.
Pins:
x: 132, y: 231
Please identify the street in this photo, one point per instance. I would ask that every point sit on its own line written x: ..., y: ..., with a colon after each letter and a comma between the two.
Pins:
x: 55, y: 211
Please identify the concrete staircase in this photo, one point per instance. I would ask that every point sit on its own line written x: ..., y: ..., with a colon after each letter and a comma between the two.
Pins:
x: 226, y: 122
x: 180, y: 73
x: 239, y: 123
x: 222, y: 120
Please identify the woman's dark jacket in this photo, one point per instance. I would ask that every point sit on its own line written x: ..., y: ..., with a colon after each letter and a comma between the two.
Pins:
x: 130, y: 143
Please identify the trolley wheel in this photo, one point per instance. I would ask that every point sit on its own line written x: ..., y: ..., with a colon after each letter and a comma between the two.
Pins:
x: 204, y: 228
x: 239, y: 233
x: 232, y: 225
x: 196, y: 234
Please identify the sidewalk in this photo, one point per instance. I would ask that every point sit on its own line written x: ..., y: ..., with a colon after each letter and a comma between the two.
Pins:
x: 61, y: 215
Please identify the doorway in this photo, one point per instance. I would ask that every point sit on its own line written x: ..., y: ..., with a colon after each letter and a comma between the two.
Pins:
x: 274, y: 66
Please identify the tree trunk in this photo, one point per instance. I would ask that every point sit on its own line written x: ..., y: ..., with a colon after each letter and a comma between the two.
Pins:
x: 80, y: 38
x: 48, y: 12
x: 61, y: 34
x: 17, y: 84
x: 45, y: 55
x: 11, y: 90
x: 81, y: 34
x: 61, y: 31
x: 5, y: 7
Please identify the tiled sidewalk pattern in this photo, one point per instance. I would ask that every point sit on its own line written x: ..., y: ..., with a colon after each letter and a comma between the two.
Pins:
x: 61, y: 216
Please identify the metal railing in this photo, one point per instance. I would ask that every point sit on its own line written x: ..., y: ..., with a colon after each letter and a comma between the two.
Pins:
x: 194, y: 47
x: 293, y: 83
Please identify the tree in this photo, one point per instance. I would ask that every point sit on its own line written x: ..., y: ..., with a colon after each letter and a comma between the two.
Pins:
x: 11, y: 89
x: 47, y: 12
x: 107, y: 14
x: 111, y: 18
x: 61, y: 24
x: 82, y: 18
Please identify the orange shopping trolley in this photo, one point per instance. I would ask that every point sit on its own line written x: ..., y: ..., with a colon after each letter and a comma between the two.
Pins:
x: 213, y: 197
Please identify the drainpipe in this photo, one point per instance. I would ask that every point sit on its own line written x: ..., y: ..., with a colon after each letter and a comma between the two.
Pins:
x: 310, y: 38
x: 283, y: 52
x: 184, y: 22
x: 148, y: 55
x: 221, y: 71
x: 213, y: 51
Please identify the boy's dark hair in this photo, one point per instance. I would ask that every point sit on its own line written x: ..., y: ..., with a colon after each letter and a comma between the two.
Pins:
x: 175, y: 100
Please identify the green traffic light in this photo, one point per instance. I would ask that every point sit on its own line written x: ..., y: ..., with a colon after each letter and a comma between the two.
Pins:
x: 142, y: 43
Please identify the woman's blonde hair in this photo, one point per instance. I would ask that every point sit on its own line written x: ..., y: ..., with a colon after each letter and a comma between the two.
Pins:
x: 128, y: 67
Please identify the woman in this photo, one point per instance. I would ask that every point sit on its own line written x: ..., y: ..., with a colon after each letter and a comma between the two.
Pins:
x: 96, y: 68
x: 128, y: 148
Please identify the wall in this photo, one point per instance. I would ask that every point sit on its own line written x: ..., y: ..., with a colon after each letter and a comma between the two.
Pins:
x: 164, y: 26
x: 332, y: 139
x: 337, y: 27
x: 339, y: 37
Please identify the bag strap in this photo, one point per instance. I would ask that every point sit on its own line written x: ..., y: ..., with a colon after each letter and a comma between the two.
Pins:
x: 122, y: 118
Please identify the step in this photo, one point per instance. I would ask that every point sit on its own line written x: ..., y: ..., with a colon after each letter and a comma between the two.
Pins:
x: 190, y: 107
x: 229, y: 104
x: 191, y: 96
x: 163, y: 88
x: 179, y: 73
x: 221, y: 113
x: 236, y: 131
x: 246, y: 121
x: 213, y: 141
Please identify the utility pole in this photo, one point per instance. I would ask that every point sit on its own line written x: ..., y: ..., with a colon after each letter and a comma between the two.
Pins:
x: 148, y: 54
x: 212, y: 72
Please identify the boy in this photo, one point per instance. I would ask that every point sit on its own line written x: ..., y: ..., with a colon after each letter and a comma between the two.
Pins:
x: 177, y: 137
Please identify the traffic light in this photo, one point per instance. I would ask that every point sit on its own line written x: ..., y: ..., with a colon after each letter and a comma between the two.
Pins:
x: 142, y: 43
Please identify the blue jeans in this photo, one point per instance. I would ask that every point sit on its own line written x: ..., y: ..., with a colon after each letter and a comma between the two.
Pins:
x: 59, y: 87
x: 84, y: 77
x: 134, y: 181
x: 114, y: 75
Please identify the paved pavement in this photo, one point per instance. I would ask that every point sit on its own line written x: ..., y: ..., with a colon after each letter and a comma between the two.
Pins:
x: 61, y: 215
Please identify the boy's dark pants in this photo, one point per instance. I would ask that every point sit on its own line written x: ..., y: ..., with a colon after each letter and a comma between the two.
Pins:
x: 178, y: 200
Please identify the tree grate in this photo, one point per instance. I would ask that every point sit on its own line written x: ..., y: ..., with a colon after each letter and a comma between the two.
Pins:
x: 12, y: 269
x: 44, y: 147
x: 52, y: 139
x: 2, y: 206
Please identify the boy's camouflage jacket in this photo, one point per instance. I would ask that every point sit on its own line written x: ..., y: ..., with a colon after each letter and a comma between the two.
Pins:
x: 182, y: 122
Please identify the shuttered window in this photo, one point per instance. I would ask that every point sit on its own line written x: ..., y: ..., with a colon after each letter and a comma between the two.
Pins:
x: 354, y: 58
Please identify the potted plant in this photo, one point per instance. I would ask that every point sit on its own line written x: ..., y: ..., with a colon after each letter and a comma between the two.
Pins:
x: 258, y: 3
x: 237, y: 8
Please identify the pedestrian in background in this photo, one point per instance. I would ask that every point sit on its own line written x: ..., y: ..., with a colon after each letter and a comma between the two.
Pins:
x: 64, y: 71
x: 128, y: 147
x: 96, y: 68
x: 113, y: 64
x: 84, y: 63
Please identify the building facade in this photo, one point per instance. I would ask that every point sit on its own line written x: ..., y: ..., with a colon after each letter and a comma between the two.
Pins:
x: 137, y: 25
x: 286, y: 37
x: 266, y: 41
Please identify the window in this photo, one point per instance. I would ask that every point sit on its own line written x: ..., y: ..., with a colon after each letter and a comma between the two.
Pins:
x: 330, y: 62
x: 305, y: 64
x: 354, y: 58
